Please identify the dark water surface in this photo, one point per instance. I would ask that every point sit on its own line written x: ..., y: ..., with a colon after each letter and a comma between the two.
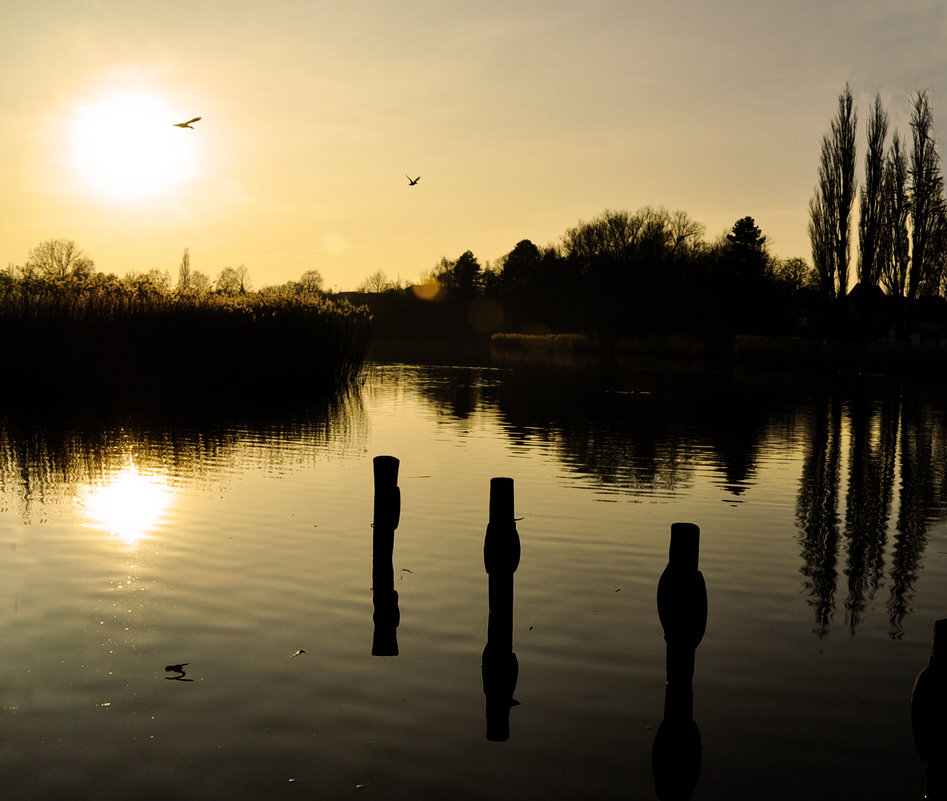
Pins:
x: 229, y: 541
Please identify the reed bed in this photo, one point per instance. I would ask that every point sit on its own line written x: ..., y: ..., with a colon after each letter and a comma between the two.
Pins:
x: 103, y: 335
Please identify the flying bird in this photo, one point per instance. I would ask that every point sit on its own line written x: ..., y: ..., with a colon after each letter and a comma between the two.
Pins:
x: 299, y: 653
x: 411, y: 181
x: 186, y: 124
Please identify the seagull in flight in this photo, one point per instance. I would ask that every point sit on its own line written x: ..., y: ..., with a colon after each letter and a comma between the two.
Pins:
x: 411, y: 181
x: 186, y: 124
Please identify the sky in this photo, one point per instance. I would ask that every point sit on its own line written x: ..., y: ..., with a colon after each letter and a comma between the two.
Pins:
x: 522, y: 119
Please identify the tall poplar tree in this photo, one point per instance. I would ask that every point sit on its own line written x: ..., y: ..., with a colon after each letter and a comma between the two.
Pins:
x: 830, y: 210
x: 926, y: 187
x: 895, y: 245
x: 870, y: 214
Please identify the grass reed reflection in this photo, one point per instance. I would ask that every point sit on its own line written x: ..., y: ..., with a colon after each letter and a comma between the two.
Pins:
x: 47, y: 460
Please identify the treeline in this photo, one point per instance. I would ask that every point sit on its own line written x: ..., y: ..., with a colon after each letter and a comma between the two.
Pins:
x: 92, y: 334
x: 621, y: 274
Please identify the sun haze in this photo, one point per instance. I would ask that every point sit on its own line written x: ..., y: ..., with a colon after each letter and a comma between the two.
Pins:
x: 125, y: 148
x: 524, y: 118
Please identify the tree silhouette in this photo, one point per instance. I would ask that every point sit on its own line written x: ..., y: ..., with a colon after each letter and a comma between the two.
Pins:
x: 464, y: 275
x: 58, y: 258
x: 831, y: 208
x: 927, y: 203
x: 895, y: 245
x: 745, y: 236
x: 184, y: 272
x: 233, y: 281
x: 871, y: 208
x: 376, y: 283
x: 311, y: 281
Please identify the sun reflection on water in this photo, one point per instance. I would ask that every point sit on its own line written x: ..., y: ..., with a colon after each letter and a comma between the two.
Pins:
x: 130, y: 505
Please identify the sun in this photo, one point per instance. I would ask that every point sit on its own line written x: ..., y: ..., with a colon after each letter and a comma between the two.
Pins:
x: 125, y: 146
x: 129, y: 506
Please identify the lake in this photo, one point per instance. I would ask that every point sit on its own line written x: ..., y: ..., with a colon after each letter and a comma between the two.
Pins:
x: 225, y: 540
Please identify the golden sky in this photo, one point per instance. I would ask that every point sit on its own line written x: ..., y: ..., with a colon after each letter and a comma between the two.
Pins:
x: 522, y: 118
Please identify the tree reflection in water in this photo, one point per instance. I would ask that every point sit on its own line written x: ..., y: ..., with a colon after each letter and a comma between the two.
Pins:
x: 874, y: 455
x: 888, y: 433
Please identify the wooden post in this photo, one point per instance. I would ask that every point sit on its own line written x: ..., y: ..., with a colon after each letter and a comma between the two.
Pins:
x: 501, y: 557
x: 682, y: 609
x: 386, y: 516
x: 929, y: 713
x: 682, y: 601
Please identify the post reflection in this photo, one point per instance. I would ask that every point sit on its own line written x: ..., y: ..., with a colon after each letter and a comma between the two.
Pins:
x: 501, y: 557
x: 387, y: 513
x: 682, y: 608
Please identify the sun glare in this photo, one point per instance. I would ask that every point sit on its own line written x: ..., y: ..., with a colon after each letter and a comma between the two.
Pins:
x: 125, y: 146
x: 130, y: 506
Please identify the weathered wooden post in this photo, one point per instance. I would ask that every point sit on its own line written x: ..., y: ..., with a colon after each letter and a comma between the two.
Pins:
x: 386, y: 515
x: 929, y: 714
x: 501, y: 557
x: 682, y: 609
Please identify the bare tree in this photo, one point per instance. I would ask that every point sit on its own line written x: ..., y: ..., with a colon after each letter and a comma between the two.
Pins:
x: 830, y: 210
x: 377, y: 282
x: 926, y: 187
x: 228, y: 281
x: 686, y: 234
x: 311, y: 282
x: 58, y: 258
x: 871, y: 206
x: 200, y: 282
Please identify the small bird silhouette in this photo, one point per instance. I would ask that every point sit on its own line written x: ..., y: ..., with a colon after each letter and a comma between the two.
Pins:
x: 185, y: 124
x: 412, y: 181
x: 178, y: 668
x: 300, y: 651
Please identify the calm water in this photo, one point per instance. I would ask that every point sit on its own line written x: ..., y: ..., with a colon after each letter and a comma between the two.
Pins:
x: 229, y: 540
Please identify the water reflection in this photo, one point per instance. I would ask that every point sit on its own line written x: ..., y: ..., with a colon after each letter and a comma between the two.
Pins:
x: 635, y: 432
x: 873, y: 467
x: 128, y: 505
x: 874, y: 461
x: 871, y: 454
x: 101, y: 460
